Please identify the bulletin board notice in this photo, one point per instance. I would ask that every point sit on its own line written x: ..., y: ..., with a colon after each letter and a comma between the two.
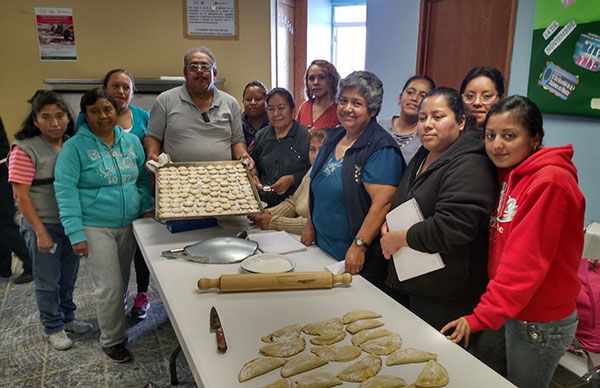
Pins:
x: 214, y: 19
x: 564, y: 74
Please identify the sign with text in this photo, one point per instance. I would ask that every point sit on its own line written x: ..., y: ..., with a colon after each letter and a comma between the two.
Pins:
x: 216, y: 19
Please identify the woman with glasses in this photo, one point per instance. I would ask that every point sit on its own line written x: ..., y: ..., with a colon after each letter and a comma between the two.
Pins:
x: 280, y: 150
x: 320, y: 83
x: 481, y: 88
x: 403, y: 128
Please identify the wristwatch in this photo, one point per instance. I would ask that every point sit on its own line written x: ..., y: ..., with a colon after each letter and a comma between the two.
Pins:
x: 359, y: 241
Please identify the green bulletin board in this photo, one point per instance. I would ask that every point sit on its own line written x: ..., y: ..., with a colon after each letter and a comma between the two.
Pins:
x: 564, y: 74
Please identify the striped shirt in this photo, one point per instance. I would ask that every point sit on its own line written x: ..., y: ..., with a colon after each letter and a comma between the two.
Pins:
x: 20, y: 167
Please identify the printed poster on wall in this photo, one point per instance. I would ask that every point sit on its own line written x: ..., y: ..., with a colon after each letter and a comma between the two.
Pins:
x: 564, y: 74
x: 56, y: 35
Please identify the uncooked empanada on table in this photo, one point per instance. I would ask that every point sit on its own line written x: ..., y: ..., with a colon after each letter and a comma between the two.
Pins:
x: 361, y: 370
x: 409, y: 356
x: 302, y: 363
x: 337, y: 353
x: 366, y: 335
x: 355, y: 315
x: 384, y: 381
x: 433, y: 375
x: 382, y: 346
x: 312, y: 380
x: 259, y: 366
x: 284, y: 348
x: 328, y: 338
x: 363, y: 324
x: 285, y: 333
x: 327, y: 326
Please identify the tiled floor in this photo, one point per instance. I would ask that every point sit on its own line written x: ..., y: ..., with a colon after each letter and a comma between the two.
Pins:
x: 26, y: 360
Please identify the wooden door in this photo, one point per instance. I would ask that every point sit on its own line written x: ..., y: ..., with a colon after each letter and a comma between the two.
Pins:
x: 456, y: 35
x: 291, y: 46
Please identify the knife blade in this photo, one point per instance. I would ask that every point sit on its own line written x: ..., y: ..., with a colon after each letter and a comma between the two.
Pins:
x: 215, y: 326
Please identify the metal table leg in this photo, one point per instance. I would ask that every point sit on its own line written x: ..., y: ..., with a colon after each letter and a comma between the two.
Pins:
x: 173, y: 365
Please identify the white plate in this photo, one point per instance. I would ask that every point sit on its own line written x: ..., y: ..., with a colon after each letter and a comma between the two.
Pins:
x: 268, y: 263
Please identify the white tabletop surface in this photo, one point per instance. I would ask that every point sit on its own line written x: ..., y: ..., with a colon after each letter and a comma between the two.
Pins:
x: 246, y: 317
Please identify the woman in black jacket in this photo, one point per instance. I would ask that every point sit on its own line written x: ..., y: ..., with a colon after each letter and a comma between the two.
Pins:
x: 455, y: 185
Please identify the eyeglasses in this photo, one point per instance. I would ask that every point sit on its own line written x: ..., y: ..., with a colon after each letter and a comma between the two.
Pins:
x: 485, y: 98
x: 203, y: 67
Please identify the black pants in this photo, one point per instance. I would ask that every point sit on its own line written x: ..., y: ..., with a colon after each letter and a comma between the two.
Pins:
x: 10, y: 236
x: 142, y: 274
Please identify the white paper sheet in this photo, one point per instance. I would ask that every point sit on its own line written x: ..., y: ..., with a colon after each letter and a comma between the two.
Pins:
x: 409, y: 262
x: 277, y: 242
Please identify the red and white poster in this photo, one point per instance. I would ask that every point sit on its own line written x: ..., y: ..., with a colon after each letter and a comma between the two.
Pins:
x: 56, y: 34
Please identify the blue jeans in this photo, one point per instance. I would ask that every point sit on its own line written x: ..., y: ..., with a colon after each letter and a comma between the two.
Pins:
x: 533, y: 349
x: 54, y: 275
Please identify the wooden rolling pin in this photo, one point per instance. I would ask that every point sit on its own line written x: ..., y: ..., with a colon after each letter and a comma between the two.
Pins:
x: 274, y: 281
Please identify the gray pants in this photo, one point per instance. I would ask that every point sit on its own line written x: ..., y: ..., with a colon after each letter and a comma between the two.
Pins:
x: 111, y: 251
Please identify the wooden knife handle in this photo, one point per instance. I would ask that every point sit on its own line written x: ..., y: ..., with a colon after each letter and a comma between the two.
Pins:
x: 269, y: 282
x: 221, y: 342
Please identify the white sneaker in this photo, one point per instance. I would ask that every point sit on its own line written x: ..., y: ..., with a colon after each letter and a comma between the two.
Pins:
x: 60, y: 340
x: 78, y: 327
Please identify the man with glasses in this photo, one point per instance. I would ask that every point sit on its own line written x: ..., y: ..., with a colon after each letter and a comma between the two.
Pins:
x: 196, y: 121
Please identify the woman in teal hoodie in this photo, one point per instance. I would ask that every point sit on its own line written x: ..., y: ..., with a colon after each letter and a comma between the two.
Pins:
x: 101, y: 187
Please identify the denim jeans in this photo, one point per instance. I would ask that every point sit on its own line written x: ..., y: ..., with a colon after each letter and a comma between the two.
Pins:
x: 54, y: 275
x: 533, y: 349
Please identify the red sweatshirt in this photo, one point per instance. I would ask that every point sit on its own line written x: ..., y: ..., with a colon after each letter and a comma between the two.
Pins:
x: 536, y: 242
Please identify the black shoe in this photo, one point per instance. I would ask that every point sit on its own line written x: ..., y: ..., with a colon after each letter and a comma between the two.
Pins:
x: 23, y: 278
x: 118, y: 353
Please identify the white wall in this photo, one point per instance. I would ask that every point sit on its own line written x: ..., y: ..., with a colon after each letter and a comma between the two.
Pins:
x: 392, y: 34
x: 318, y: 45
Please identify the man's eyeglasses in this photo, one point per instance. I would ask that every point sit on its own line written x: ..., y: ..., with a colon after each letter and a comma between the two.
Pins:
x: 485, y: 98
x: 203, y: 67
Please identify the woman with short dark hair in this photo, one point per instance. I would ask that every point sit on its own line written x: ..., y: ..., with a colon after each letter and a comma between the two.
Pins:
x: 280, y: 150
x: 403, y: 128
x: 101, y: 187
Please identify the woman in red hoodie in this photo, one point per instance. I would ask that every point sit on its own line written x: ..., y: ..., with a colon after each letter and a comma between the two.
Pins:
x: 536, y: 242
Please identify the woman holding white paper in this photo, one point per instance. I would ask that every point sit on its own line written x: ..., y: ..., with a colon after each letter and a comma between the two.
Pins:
x: 454, y: 184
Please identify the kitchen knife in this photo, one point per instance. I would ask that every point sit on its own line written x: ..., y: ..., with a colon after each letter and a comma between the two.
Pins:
x: 215, y: 326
